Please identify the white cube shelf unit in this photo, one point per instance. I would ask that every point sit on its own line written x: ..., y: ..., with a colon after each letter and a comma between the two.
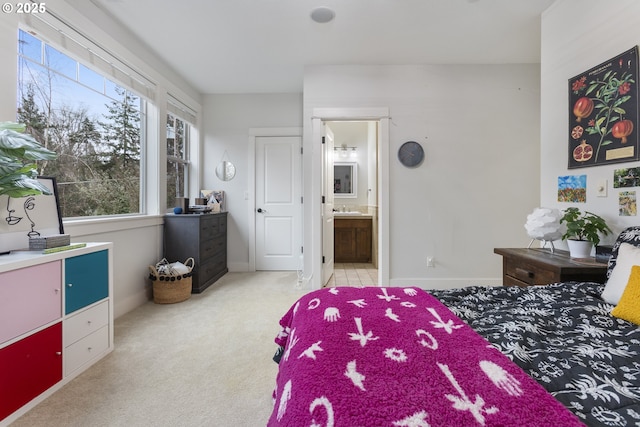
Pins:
x: 56, y: 320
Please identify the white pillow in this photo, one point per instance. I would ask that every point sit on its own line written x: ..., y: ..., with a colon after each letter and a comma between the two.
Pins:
x: 628, y: 256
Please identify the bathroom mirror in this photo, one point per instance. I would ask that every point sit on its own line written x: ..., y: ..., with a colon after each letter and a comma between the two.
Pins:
x: 345, y: 183
x: 225, y: 170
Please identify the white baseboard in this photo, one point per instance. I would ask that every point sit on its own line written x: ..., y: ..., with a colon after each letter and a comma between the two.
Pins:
x: 238, y: 267
x: 445, y: 283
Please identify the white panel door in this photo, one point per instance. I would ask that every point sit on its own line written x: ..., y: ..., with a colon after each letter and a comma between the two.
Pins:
x: 278, y: 203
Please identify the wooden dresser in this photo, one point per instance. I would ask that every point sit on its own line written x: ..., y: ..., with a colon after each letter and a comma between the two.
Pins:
x: 524, y: 267
x: 202, y: 237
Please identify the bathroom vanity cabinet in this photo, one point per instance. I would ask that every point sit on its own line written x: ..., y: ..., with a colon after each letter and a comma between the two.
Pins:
x: 56, y: 320
x: 352, y: 239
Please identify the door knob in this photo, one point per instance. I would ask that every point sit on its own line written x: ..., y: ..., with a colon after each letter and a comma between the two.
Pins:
x: 260, y: 210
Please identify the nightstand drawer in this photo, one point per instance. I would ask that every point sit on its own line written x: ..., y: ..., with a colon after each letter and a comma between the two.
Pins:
x: 528, y: 273
x: 524, y: 267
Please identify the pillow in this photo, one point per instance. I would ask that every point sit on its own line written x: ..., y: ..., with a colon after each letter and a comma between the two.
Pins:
x: 629, y: 306
x: 628, y: 256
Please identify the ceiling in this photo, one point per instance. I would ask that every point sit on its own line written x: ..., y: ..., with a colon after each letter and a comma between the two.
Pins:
x: 262, y: 46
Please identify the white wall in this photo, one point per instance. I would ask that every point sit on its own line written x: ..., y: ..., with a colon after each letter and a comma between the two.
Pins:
x: 576, y: 36
x: 479, y: 126
x: 226, y: 124
x: 9, y: 72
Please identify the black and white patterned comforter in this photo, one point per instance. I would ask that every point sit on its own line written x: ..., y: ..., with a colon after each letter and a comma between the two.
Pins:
x: 564, y: 337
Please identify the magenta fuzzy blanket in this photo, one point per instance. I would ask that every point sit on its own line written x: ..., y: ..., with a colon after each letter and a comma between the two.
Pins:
x: 369, y: 357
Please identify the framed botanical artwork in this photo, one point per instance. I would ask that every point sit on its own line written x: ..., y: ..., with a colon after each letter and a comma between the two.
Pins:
x: 30, y: 216
x: 603, y: 113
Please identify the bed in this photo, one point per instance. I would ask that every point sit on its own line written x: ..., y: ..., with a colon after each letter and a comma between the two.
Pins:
x: 550, y: 355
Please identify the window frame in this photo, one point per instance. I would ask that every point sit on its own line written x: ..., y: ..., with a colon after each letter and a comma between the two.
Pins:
x: 184, y: 161
x: 144, y: 101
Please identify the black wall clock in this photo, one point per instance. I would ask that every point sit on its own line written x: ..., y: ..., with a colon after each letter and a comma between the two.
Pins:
x: 411, y: 154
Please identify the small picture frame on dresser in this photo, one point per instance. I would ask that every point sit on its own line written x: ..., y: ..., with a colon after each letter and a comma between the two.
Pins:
x: 30, y: 216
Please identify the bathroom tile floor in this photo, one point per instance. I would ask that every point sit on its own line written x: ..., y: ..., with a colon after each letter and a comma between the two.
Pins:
x: 353, y: 274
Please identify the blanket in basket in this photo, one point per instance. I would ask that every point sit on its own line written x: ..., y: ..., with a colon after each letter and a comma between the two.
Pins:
x: 397, y: 357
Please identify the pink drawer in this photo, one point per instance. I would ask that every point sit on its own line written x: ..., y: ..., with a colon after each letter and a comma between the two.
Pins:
x: 30, y: 297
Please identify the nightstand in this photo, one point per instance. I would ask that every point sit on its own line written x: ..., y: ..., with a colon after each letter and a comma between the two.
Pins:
x: 525, y: 267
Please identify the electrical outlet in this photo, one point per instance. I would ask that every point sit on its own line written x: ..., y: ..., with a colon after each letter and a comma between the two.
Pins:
x: 431, y: 262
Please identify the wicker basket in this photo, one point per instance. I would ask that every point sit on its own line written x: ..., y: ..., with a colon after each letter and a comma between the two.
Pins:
x: 169, y: 289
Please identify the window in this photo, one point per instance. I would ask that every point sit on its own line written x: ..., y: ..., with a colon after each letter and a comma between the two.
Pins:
x: 178, y: 134
x: 95, y: 124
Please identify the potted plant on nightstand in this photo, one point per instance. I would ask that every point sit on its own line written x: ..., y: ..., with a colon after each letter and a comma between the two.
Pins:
x: 583, y: 231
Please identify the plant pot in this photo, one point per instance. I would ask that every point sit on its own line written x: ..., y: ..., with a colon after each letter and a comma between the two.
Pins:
x: 579, y: 248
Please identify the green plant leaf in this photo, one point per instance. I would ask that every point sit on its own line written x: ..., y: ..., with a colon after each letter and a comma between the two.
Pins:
x: 621, y: 101
x: 25, y: 186
x: 17, y: 127
x: 18, y: 151
x: 14, y: 144
x: 583, y: 225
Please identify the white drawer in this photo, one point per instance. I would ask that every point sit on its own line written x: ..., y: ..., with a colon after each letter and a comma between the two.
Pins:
x: 84, y: 323
x: 83, y: 351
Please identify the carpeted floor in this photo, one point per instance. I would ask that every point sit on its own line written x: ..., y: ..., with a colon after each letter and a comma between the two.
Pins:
x: 202, y: 362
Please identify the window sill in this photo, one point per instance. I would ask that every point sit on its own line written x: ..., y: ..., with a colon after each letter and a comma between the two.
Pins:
x: 83, y: 227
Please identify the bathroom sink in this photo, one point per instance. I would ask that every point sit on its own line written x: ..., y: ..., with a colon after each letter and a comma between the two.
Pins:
x: 347, y: 214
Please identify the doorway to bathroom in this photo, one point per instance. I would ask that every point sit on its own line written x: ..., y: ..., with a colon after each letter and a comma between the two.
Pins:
x: 353, y: 160
x: 315, y: 209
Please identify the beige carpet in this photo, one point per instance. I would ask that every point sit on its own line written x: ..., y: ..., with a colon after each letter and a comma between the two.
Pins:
x: 202, y: 362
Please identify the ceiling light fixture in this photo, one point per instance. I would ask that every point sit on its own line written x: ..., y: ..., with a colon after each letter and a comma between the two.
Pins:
x: 322, y: 15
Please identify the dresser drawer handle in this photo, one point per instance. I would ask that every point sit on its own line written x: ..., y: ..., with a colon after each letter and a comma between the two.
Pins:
x: 522, y: 272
